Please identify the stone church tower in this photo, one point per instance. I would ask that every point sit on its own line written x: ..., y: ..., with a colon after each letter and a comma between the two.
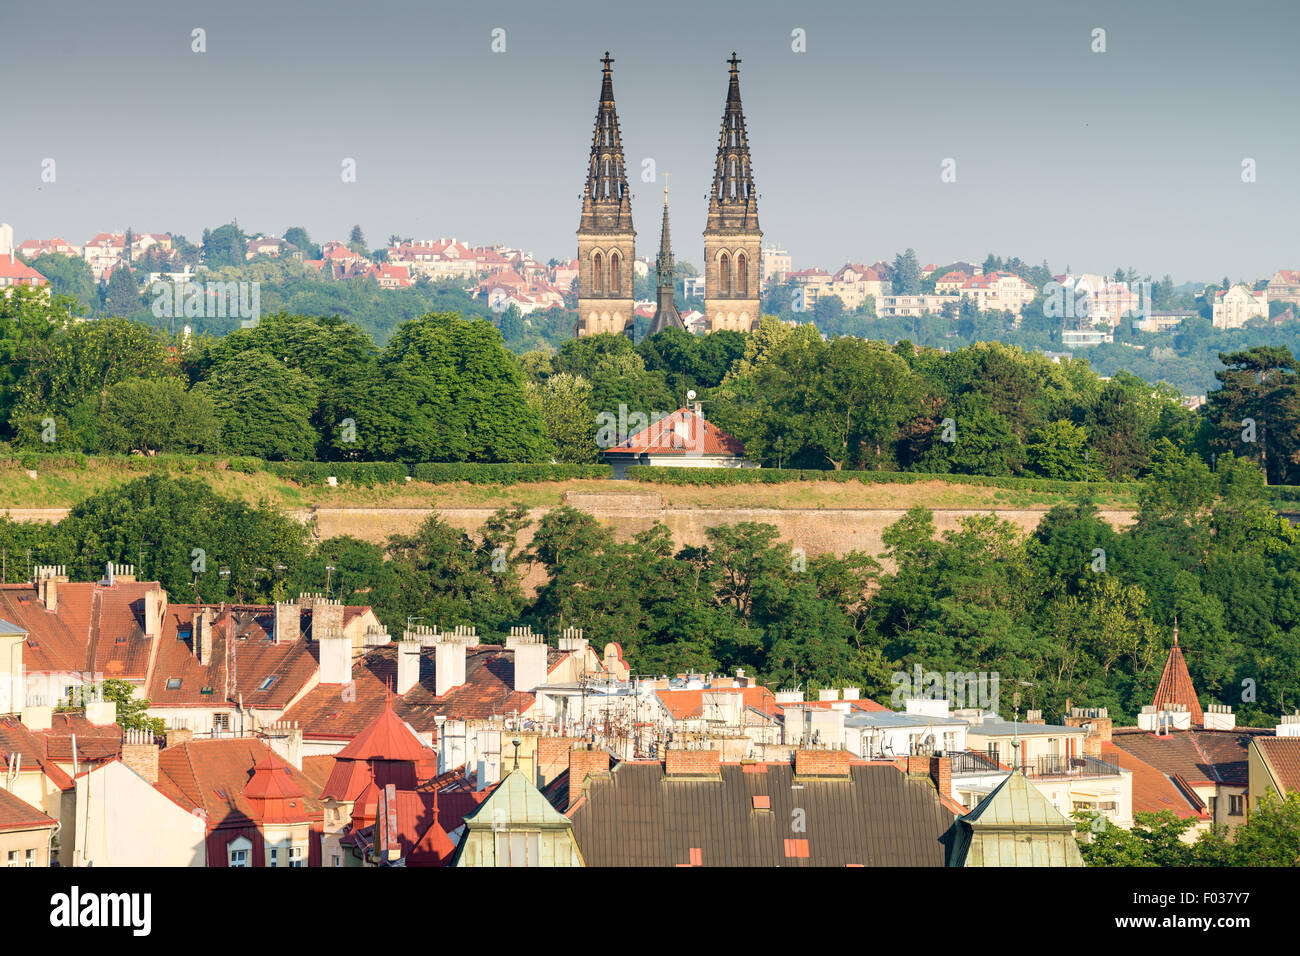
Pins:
x: 732, y: 238
x: 666, y: 314
x: 605, y: 233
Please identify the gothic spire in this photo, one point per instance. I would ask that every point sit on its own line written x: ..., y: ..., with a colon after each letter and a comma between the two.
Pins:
x: 606, y: 201
x: 666, y: 314
x: 733, y: 201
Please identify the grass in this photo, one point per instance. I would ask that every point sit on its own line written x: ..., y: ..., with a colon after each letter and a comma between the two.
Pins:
x: 62, y: 487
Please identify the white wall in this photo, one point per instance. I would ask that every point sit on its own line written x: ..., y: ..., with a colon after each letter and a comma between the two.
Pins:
x: 122, y: 820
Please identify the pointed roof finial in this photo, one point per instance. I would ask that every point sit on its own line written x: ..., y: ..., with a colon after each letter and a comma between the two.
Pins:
x: 1175, y: 628
x: 607, y: 60
x: 516, y: 743
x: 666, y: 175
x: 735, y: 62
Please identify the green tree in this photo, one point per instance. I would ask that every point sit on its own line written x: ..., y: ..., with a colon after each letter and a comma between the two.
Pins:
x: 152, y: 415
x: 121, y: 297
x: 265, y: 408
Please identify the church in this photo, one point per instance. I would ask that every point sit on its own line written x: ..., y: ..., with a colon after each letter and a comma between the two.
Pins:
x: 607, y: 239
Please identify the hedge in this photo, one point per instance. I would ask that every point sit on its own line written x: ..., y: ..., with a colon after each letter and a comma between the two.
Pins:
x: 653, y: 474
x: 363, y: 473
x: 484, y: 473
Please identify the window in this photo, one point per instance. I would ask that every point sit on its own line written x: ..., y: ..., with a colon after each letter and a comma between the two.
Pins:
x: 273, y: 856
x: 335, y: 860
x: 173, y: 683
x: 1236, y: 804
x: 517, y: 848
x: 267, y: 682
x: 221, y: 722
x: 29, y: 858
x: 13, y: 858
x: 237, y: 852
x: 183, y: 635
x: 297, y: 857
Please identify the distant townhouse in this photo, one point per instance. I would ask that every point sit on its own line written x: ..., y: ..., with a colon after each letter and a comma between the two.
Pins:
x: 1163, y: 320
x: 776, y: 266
x: 1283, y: 287
x: 999, y: 291
x: 265, y: 246
x: 31, y: 248
x: 104, y: 252
x: 1234, y: 307
x: 391, y: 276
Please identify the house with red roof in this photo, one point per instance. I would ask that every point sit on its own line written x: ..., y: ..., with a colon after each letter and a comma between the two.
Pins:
x: 1273, y: 763
x: 14, y: 272
x: 681, y: 439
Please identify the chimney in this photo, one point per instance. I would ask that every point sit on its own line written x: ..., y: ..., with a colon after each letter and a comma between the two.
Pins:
x: 48, y: 577
x: 140, y: 753
x: 178, y: 736
x: 376, y: 636
x: 572, y: 641
x: 692, y: 763
x: 530, y: 658
x: 288, y: 622
x: 335, y: 655
x: 101, y: 713
x: 941, y: 774
x: 408, y: 666
x: 449, y: 663
x: 582, y: 763
x: 326, y: 614
x: 155, y: 606
x: 200, y: 634
x: 285, y: 738
x: 822, y: 763
x: 37, y: 717
x: 1219, y: 717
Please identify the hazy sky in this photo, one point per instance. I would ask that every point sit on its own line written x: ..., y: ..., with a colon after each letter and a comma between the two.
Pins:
x: 1130, y: 157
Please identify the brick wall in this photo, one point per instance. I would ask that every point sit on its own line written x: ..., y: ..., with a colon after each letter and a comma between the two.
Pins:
x: 581, y: 763
x: 918, y: 766
x: 692, y: 762
x: 822, y: 763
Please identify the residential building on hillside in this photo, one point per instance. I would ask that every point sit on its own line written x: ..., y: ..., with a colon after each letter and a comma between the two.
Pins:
x: 1234, y: 307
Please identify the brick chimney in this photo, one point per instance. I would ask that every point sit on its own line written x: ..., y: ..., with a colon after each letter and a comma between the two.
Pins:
x: 48, y: 577
x: 408, y: 666
x: 325, y: 614
x: 821, y: 763
x: 941, y: 774
x: 155, y: 606
x: 335, y: 655
x: 581, y: 763
x: 692, y: 763
x: 201, y: 634
x: 140, y: 753
x: 178, y: 736
x: 288, y: 622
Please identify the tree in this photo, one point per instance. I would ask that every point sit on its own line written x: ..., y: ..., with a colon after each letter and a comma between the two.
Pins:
x: 1059, y: 450
x: 449, y: 391
x: 69, y: 276
x: 1256, y: 414
x: 297, y: 237
x: 152, y: 415
x: 121, y: 297
x: 907, y: 273
x: 563, y: 403
x: 224, y: 246
x: 356, y: 236
x: 265, y: 407
x: 132, y: 711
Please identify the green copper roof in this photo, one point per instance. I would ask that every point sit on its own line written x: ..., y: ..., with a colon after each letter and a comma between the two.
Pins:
x: 517, y: 802
x: 1015, y: 825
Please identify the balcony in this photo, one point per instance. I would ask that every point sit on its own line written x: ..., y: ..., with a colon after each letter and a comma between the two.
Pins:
x: 972, y: 762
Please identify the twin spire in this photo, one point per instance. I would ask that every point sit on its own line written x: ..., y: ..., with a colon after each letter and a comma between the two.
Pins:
x: 607, y: 210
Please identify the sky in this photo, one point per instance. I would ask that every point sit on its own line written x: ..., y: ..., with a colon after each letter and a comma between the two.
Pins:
x: 1131, y: 157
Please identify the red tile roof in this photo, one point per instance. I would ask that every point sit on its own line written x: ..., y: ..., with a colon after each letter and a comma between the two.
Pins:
x: 685, y: 704
x: 16, y: 814
x: 243, y: 657
x: 682, y: 432
x: 488, y: 691
x: 1282, y: 755
x: 211, y: 775
x: 1153, y: 790
x: 93, y: 628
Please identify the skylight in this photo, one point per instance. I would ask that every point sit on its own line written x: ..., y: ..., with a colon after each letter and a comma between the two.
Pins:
x: 173, y: 683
